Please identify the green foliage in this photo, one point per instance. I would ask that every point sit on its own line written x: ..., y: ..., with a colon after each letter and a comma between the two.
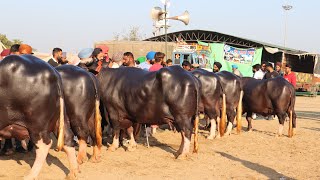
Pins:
x: 7, y: 43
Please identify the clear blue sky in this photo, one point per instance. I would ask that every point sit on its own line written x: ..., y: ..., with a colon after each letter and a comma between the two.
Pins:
x: 75, y: 24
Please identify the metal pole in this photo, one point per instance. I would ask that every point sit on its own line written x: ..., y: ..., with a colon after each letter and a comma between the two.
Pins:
x: 165, y: 30
x: 285, y: 27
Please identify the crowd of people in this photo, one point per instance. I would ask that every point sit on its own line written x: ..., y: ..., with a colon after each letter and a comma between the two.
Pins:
x: 93, y: 59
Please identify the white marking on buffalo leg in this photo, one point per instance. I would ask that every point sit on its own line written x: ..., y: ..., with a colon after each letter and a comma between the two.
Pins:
x: 82, y: 154
x: 218, y: 133
x: 115, y: 143
x: 212, y: 129
x: 41, y: 155
x: 132, y: 143
x: 229, y: 128
x: 74, y: 167
x: 280, y: 130
x: 186, y: 147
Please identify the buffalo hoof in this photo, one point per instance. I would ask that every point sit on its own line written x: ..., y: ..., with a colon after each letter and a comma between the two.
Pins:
x: 72, y: 176
x: 81, y: 160
x: 112, y: 148
x: 183, y: 156
x: 95, y: 159
x: 132, y: 148
x: 211, y: 137
x: 249, y: 130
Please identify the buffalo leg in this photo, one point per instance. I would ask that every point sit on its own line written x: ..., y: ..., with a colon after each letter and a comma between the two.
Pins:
x: 186, y: 144
x: 71, y: 154
x: 281, y: 117
x: 82, y: 154
x: 249, y: 120
x: 231, y: 114
x: 8, y: 147
x: 115, y: 143
x: 181, y: 146
x: 294, y: 121
x: 212, y: 129
x: 132, y: 143
x: 41, y: 155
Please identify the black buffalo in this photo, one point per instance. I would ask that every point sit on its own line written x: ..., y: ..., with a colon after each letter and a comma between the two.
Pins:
x: 82, y: 104
x: 231, y: 85
x: 212, y: 97
x: 274, y: 96
x: 32, y: 106
x: 168, y: 96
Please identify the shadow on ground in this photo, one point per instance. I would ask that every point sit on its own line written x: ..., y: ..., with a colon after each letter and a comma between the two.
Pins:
x: 268, y: 172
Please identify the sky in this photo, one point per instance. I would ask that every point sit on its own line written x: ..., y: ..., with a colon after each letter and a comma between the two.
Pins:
x: 76, y: 24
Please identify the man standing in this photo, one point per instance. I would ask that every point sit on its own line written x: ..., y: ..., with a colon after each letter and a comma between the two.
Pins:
x: 235, y: 70
x: 56, y: 57
x: 216, y: 67
x: 117, y: 59
x: 258, y: 73
x: 128, y: 60
x: 290, y: 76
x: 271, y: 73
x: 147, y: 64
x: 14, y: 50
x: 186, y: 65
x: 158, y: 59
x: 264, y: 67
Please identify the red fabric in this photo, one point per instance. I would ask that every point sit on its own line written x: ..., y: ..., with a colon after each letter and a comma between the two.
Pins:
x: 5, y: 52
x: 155, y: 67
x: 291, y: 78
x: 98, y: 69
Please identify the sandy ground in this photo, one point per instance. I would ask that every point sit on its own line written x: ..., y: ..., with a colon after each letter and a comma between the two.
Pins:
x: 251, y: 155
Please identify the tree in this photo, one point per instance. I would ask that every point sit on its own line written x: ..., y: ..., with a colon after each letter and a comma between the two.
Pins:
x: 7, y: 43
x: 132, y: 35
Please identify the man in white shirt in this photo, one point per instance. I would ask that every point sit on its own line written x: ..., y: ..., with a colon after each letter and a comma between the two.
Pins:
x: 258, y: 73
x: 117, y: 59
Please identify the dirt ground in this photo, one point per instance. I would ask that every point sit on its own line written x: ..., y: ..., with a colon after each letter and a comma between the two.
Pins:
x: 251, y: 155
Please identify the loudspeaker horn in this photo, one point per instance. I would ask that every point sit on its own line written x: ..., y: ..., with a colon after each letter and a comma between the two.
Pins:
x: 185, y: 18
x: 156, y: 13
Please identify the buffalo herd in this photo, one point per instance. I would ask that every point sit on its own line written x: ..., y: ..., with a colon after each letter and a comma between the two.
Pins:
x: 69, y: 102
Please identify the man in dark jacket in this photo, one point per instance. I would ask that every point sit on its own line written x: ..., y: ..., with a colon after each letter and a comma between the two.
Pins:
x: 56, y: 57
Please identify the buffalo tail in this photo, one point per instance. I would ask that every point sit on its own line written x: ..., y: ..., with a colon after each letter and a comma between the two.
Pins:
x: 239, y: 114
x: 222, y: 125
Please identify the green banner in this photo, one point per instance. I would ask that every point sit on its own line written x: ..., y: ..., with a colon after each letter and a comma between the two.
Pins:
x: 228, y: 55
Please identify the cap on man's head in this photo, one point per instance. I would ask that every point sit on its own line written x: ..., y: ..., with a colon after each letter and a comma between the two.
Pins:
x: 118, y: 56
x: 25, y: 49
x: 5, y: 52
x: 150, y: 55
x: 104, y: 48
x: 85, y: 53
x: 234, y: 66
x: 141, y: 59
x: 289, y: 66
x: 219, y: 65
